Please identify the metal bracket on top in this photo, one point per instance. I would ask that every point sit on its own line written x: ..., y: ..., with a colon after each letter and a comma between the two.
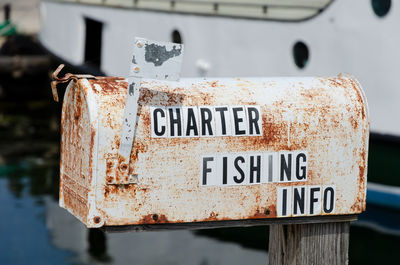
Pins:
x: 68, y: 77
x: 152, y: 60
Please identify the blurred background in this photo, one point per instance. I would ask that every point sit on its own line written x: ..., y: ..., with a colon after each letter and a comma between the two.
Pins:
x: 222, y: 38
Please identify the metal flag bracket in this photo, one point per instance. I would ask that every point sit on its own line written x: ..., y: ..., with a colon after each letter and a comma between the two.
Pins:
x: 68, y: 77
x: 150, y: 60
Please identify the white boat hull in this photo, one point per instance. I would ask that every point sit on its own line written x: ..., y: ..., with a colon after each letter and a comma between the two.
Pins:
x: 346, y: 37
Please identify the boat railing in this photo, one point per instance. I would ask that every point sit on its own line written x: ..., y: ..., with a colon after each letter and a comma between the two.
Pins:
x: 289, y: 10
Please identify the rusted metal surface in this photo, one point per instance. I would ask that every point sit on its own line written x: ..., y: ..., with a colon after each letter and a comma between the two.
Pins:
x: 326, y: 117
x: 75, y: 138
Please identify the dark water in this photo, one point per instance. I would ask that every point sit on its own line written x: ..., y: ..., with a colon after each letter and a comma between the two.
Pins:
x: 35, y: 230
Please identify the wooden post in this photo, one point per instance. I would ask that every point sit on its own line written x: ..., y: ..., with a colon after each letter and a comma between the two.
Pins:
x: 298, y: 244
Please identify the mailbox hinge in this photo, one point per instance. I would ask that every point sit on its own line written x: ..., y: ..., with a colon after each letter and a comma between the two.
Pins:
x: 151, y: 60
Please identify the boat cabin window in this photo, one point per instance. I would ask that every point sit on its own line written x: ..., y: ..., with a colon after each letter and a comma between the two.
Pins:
x: 300, y: 54
x: 381, y: 7
x: 176, y: 37
x: 94, y: 30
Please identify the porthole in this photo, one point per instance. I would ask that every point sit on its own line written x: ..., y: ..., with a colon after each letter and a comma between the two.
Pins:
x: 381, y: 7
x: 176, y: 37
x: 300, y: 54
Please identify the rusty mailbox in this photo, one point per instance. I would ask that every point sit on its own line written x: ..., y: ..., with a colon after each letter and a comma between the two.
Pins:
x: 215, y: 151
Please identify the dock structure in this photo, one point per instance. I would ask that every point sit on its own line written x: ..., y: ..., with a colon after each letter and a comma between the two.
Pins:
x: 24, y: 14
x: 20, y: 54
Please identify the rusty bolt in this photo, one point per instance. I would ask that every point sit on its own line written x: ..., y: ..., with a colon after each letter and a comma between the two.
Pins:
x: 155, y: 217
x: 136, y: 69
x: 110, y: 179
x: 139, y: 44
x: 96, y: 219
x: 123, y: 167
x: 267, y: 212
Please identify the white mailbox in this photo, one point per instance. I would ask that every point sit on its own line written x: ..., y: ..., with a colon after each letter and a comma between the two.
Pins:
x: 215, y: 151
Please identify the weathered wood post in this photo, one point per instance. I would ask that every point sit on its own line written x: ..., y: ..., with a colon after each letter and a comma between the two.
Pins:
x: 311, y: 244
x: 154, y: 152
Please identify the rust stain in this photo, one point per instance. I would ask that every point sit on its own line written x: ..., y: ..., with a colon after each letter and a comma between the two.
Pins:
x: 117, y: 141
x: 359, y: 98
x: 175, y: 99
x: 264, y: 213
x: 76, y: 204
x: 138, y: 147
x: 258, y: 214
x: 205, y: 98
x: 120, y: 190
x: 272, y: 211
x: 78, y: 105
x: 109, y: 179
x: 146, y: 96
x: 361, y: 175
x: 75, y: 152
x: 109, y: 85
x: 274, y: 138
x: 153, y: 96
x: 109, y: 170
x: 110, y: 121
x: 357, y: 207
x: 354, y: 122
x: 154, y: 219
x: 360, y: 204
x: 145, y: 119
x: 121, y: 173
x: 336, y: 82
x: 91, y: 154
x: 212, y: 217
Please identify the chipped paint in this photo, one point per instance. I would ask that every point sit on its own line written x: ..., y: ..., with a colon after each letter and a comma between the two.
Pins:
x: 158, y: 54
x: 156, y: 59
x: 328, y: 117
